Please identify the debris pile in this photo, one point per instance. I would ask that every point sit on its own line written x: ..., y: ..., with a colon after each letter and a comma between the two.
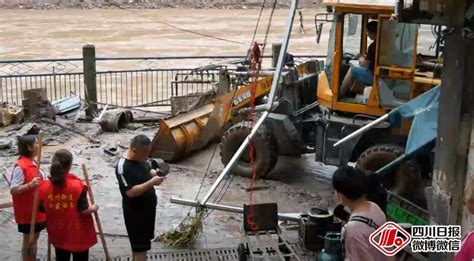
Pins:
x: 186, y: 232
x: 10, y: 114
x: 37, y: 106
x: 114, y: 120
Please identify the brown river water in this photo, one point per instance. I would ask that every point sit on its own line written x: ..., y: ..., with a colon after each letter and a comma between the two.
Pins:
x: 62, y: 33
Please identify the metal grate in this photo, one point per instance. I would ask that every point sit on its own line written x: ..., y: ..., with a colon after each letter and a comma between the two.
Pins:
x: 221, y: 254
x: 197, y: 255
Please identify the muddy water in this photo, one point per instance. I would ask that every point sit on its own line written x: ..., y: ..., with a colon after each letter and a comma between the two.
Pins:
x: 58, y: 33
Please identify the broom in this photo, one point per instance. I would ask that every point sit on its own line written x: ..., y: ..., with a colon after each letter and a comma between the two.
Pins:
x: 96, y: 215
x: 35, y: 197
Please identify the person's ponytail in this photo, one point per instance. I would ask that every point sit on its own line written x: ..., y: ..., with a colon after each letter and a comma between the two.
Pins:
x: 58, y: 173
x: 62, y: 161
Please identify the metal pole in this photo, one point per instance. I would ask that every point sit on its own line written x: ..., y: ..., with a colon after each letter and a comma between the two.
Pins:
x: 391, y: 164
x: 90, y: 79
x: 284, y: 48
x: 362, y: 130
x: 233, y: 209
x: 276, y: 48
x: 260, y: 121
x: 234, y: 159
x: 250, y: 73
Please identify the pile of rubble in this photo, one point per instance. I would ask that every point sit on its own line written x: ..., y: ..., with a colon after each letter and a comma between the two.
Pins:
x: 10, y: 114
x: 39, y: 113
x: 35, y: 105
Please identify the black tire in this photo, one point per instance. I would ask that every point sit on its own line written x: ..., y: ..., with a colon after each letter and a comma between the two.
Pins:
x: 405, y: 180
x: 242, y: 252
x: 377, y: 156
x: 265, y: 149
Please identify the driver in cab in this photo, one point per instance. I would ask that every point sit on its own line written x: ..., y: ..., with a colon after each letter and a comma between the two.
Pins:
x: 358, y: 77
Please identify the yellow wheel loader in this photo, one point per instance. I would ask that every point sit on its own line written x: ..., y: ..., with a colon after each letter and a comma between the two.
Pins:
x: 310, y: 113
x: 192, y: 130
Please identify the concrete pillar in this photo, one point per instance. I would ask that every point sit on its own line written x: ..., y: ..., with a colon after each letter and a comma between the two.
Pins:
x: 90, y: 79
x: 455, y: 125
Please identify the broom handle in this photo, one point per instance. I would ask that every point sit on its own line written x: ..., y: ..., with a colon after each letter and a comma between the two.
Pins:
x: 96, y: 214
x: 49, y: 251
x: 35, y: 197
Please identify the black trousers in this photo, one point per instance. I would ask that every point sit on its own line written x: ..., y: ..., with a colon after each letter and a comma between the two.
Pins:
x: 64, y: 255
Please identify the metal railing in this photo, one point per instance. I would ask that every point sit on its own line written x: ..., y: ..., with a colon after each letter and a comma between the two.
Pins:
x: 122, y: 81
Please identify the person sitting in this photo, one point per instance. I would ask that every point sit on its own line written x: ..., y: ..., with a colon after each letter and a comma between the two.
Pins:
x: 351, y: 185
x: 358, y: 77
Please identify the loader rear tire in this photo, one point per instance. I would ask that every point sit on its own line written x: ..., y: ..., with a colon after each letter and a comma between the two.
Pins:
x: 265, y: 150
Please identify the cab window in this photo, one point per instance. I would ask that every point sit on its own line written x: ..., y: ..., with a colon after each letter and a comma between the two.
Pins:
x: 329, y: 57
x: 397, y: 44
x: 395, y: 61
x: 351, y: 43
x: 354, y: 45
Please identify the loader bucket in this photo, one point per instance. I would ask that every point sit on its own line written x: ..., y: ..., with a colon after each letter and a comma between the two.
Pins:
x: 178, y: 134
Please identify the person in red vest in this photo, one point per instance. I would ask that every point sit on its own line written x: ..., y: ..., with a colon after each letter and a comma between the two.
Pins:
x: 69, y: 221
x: 24, y: 180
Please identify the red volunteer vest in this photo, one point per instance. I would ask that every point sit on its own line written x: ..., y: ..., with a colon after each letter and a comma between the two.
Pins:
x: 67, y: 228
x: 23, y: 203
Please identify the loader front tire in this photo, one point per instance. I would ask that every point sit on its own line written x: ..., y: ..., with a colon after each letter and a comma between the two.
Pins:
x: 265, y: 150
x: 405, y: 180
x: 378, y: 156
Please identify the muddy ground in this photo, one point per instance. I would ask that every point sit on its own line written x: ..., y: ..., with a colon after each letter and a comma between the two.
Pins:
x: 296, y: 184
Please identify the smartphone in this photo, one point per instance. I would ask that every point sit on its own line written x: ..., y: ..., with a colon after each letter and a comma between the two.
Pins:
x: 161, y: 173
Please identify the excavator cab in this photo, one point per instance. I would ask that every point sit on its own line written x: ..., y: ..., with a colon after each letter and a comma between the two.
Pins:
x: 394, y: 73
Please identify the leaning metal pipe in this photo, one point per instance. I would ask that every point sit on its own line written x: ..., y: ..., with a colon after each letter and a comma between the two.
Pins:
x: 233, y: 209
x: 261, y: 73
x: 234, y: 159
x: 276, y: 78
x: 282, y: 55
x: 258, y: 108
x: 362, y: 130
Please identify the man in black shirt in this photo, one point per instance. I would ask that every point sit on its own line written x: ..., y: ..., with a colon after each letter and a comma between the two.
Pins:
x: 136, y: 182
x: 360, y: 76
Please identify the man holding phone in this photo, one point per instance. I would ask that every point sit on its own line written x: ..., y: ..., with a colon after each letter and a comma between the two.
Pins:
x: 137, y: 180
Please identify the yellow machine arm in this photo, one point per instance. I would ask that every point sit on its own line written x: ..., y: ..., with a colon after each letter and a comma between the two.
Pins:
x: 187, y: 132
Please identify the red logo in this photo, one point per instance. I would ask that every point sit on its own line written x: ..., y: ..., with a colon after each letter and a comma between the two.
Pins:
x: 390, y: 238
